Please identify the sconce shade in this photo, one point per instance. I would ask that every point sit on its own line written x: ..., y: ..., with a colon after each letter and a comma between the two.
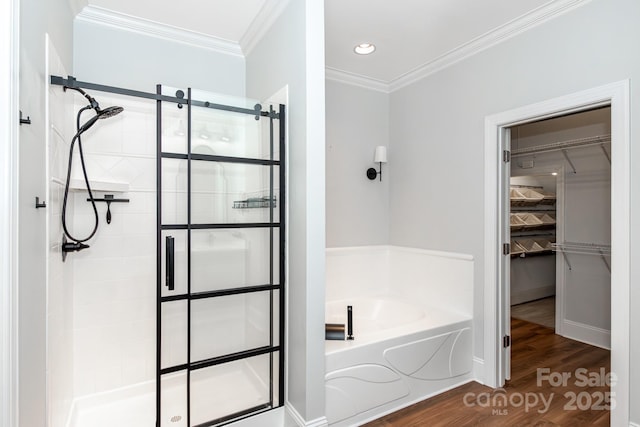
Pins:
x: 380, y: 155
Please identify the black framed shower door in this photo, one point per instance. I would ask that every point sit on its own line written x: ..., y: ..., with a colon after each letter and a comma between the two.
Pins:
x: 220, y: 260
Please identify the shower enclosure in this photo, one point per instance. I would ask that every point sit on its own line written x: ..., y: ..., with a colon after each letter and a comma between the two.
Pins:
x: 220, y: 267
x: 220, y: 298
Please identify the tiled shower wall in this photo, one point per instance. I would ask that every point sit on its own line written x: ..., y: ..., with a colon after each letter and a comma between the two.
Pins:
x: 114, y: 280
x: 114, y: 290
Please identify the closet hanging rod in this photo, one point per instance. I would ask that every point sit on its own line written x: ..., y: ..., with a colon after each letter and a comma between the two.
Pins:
x: 534, y: 187
x: 583, y: 249
x: 563, y: 145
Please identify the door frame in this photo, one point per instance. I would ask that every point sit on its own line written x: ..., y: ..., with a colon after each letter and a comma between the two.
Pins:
x: 617, y: 95
x: 9, y: 119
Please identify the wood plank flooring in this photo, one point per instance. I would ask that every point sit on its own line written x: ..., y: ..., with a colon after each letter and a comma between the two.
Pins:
x: 534, y: 347
x: 542, y: 311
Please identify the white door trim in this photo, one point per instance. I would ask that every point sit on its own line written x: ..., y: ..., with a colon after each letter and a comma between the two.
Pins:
x: 617, y: 95
x: 9, y: 60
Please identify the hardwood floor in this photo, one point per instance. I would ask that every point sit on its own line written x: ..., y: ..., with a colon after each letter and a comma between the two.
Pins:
x: 534, y: 347
x: 542, y: 311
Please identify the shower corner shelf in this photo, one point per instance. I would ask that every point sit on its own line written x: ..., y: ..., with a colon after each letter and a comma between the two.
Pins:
x: 97, y: 185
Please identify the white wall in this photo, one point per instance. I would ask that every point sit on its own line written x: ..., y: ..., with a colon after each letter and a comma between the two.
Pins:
x: 37, y: 18
x: 9, y: 58
x: 357, y: 208
x: 585, y: 48
x: 112, y: 56
x: 292, y: 54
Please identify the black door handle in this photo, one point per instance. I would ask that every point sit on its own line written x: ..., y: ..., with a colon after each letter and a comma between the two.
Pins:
x: 170, y: 267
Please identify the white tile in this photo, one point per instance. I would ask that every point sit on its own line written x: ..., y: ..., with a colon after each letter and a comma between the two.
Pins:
x: 139, y: 134
x: 138, y: 245
x: 139, y: 332
x: 138, y: 223
x: 84, y: 366
x: 96, y: 269
x: 143, y: 203
x: 105, y: 136
x: 134, y: 369
x: 108, y: 376
x: 93, y: 292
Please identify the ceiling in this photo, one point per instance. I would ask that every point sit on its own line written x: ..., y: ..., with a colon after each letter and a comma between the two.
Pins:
x: 408, y: 33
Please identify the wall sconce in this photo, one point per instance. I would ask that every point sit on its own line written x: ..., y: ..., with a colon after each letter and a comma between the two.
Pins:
x: 380, y: 156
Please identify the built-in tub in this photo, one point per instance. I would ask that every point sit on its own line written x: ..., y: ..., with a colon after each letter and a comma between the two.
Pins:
x: 412, y: 316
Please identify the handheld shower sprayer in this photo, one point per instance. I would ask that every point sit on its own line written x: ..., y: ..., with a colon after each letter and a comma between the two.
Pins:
x: 78, y: 244
x: 93, y: 104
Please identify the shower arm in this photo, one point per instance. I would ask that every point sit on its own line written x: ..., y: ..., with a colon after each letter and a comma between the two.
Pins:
x: 92, y: 102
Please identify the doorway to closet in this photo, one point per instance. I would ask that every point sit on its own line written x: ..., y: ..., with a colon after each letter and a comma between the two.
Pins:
x: 496, y: 314
x: 560, y: 225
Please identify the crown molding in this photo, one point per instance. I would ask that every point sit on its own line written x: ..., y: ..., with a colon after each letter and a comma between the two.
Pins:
x: 504, y: 32
x: 266, y: 17
x: 356, y: 80
x: 101, y: 16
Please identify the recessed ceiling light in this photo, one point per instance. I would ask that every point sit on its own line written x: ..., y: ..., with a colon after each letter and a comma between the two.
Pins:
x: 364, y: 48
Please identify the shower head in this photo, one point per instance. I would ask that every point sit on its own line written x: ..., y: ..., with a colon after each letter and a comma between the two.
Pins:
x: 100, y: 114
x: 109, y: 112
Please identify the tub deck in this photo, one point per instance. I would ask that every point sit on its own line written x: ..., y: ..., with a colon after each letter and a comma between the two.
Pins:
x: 385, y: 317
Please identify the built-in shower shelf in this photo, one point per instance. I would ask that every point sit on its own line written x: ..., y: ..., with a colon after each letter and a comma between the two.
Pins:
x: 96, y: 185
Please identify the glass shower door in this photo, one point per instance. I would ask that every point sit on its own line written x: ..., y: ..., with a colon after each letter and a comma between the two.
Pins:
x: 220, y: 292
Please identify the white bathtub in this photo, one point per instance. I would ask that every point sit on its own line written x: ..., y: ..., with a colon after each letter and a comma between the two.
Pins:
x: 412, y: 314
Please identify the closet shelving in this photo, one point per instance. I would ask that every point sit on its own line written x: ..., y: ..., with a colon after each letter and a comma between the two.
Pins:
x: 532, y: 221
x: 565, y: 146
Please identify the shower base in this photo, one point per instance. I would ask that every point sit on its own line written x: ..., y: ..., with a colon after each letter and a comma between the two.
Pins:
x: 135, y: 406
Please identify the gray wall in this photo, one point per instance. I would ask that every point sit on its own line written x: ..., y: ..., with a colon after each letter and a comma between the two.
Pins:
x: 292, y: 54
x: 434, y: 207
x: 111, y: 56
x: 37, y: 17
x: 357, y: 208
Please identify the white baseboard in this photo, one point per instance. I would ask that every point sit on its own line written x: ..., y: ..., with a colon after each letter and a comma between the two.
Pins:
x: 478, y: 370
x: 586, y: 334
x: 518, y: 297
x: 300, y: 421
x: 633, y: 424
